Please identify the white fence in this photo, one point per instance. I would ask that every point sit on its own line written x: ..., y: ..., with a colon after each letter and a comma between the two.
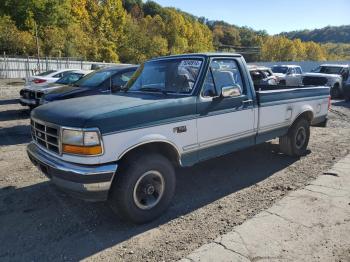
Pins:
x: 17, y: 67
x: 307, y: 66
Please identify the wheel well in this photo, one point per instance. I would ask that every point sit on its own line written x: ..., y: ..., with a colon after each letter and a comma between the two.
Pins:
x: 336, y: 84
x: 308, y: 115
x: 163, y: 148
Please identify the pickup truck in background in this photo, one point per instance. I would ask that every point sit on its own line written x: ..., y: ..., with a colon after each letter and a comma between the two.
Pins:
x: 332, y: 75
x: 262, y: 75
x: 288, y: 75
x: 31, y: 95
x: 174, y: 112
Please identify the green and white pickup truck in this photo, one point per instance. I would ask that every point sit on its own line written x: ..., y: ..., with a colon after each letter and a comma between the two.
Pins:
x: 175, y: 111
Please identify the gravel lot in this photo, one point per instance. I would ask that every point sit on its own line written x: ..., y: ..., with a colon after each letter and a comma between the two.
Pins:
x: 38, y: 222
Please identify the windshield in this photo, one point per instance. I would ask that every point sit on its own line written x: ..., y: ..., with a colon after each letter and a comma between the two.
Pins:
x: 176, y: 75
x: 280, y: 69
x: 69, y: 78
x: 94, y: 79
x: 330, y: 70
x: 46, y: 73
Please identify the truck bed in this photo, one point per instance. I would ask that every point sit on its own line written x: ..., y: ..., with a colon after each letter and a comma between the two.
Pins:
x: 268, y: 94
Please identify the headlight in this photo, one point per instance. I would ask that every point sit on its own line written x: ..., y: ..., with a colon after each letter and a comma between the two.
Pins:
x: 81, y: 142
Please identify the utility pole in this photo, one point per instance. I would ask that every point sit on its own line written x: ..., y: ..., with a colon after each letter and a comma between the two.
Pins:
x: 37, y: 46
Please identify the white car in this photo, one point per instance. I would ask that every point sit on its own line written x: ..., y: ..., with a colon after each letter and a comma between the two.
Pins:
x: 47, y: 77
x: 288, y: 75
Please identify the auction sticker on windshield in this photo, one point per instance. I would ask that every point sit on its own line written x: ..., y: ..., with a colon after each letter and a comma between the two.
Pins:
x: 192, y: 63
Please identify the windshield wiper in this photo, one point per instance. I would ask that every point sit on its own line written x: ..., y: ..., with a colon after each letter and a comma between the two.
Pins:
x: 153, y: 89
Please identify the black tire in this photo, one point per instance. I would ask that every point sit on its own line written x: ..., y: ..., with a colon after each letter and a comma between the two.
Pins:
x: 135, y: 180
x: 335, y: 91
x: 295, y: 142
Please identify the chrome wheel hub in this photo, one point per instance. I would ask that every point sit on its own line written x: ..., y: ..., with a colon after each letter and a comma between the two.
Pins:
x: 148, y: 190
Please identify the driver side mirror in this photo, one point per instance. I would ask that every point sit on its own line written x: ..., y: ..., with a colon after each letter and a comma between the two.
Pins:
x: 231, y: 91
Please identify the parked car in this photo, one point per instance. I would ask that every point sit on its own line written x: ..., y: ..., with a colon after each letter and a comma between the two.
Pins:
x: 262, y: 75
x: 289, y: 75
x: 174, y: 112
x: 30, y: 96
x: 332, y: 75
x: 106, y: 80
x: 47, y: 77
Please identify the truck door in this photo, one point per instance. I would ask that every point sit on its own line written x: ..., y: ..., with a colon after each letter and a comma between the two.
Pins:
x: 225, y: 124
x: 291, y: 77
x: 298, y: 76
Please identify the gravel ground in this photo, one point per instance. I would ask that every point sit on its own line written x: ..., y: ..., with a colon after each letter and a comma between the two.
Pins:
x: 39, y: 222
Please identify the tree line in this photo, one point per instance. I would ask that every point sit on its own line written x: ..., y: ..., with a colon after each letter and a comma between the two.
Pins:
x: 328, y: 34
x: 132, y: 31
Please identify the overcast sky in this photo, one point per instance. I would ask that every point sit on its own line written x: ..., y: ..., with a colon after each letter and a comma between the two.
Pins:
x: 274, y: 16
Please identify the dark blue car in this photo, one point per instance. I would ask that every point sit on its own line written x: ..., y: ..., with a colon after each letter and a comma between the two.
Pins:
x: 104, y: 81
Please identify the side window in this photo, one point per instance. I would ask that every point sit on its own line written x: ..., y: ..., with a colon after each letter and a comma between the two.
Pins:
x: 222, y: 73
x: 298, y: 70
x: 226, y: 73
x: 74, y: 77
x: 59, y: 75
x: 208, y: 89
x: 121, y: 79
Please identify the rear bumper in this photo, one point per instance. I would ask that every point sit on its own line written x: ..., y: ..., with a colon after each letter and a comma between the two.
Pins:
x: 86, y: 182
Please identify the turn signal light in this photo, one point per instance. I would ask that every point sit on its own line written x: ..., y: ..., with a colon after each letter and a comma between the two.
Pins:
x: 82, y: 150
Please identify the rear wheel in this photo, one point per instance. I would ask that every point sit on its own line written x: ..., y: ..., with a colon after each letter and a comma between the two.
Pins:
x: 143, y: 189
x: 295, y: 142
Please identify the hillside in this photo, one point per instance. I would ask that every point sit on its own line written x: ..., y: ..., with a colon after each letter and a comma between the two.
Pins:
x: 133, y: 31
x: 329, y: 34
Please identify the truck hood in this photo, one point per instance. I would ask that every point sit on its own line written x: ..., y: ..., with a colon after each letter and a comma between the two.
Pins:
x: 113, y: 113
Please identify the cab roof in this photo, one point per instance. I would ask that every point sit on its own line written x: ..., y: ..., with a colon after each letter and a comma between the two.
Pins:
x: 209, y: 54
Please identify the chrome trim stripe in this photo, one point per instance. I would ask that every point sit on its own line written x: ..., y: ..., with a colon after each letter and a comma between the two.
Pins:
x: 218, y: 141
x: 180, y: 119
x: 279, y: 102
x: 274, y: 126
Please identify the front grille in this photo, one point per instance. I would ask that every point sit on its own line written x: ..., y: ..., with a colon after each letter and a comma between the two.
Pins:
x: 314, y: 80
x: 28, y: 94
x: 39, y: 95
x: 46, y: 135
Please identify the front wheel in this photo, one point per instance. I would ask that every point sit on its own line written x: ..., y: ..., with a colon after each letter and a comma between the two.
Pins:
x: 143, y: 189
x: 295, y: 142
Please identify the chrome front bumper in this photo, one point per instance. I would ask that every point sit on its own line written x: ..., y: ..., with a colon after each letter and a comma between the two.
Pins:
x: 88, y: 182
